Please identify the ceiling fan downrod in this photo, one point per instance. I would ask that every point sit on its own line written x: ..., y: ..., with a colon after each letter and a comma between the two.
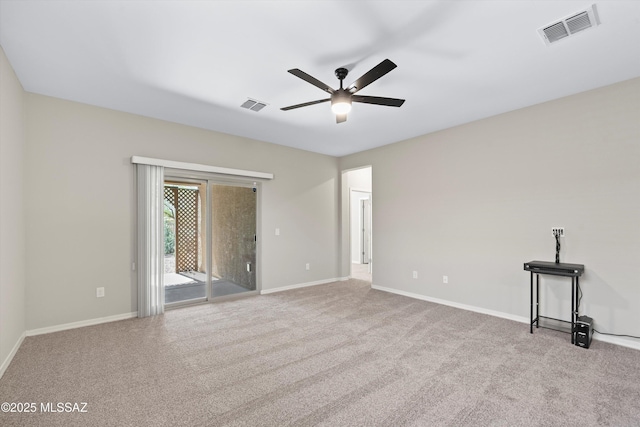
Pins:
x: 341, y: 73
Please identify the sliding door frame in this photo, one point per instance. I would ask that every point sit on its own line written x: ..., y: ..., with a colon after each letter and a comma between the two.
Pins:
x: 195, y: 177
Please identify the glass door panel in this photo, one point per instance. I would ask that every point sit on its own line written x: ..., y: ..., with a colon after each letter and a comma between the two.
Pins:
x: 233, y: 239
x: 185, y: 278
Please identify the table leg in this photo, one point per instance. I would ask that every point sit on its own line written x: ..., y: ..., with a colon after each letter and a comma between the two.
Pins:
x: 573, y: 308
x: 531, y: 305
x: 537, y: 301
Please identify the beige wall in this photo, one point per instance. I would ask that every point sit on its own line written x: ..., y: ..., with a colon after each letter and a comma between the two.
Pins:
x: 475, y: 202
x: 80, y: 238
x: 12, y: 225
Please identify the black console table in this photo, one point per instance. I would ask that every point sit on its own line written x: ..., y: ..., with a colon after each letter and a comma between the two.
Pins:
x: 555, y: 269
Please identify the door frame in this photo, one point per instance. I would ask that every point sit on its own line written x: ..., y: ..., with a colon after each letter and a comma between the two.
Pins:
x: 349, y: 179
x: 209, y: 179
x: 258, y: 266
x: 366, y: 233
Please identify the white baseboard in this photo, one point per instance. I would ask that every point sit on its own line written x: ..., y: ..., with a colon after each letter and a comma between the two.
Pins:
x: 494, y: 313
x: 9, y: 358
x: 617, y: 341
x: 80, y: 324
x: 303, y: 285
x: 598, y: 337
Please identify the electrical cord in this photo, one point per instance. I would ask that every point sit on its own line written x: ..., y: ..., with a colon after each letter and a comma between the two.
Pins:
x: 616, y: 335
x: 579, y: 298
x: 556, y: 234
x: 594, y: 330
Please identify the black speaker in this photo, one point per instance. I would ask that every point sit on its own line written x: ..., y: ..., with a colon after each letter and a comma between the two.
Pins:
x: 583, y: 331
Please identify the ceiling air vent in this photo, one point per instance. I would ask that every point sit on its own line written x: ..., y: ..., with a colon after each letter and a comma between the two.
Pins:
x: 253, y: 105
x: 569, y: 26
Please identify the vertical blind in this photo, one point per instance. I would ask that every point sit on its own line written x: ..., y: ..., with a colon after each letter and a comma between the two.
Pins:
x: 150, y: 182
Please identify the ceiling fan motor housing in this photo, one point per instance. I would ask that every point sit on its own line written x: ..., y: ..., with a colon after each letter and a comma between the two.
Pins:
x: 341, y: 73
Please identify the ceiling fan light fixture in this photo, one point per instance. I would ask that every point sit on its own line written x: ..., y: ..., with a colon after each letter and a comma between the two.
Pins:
x: 340, y: 104
x: 341, y: 107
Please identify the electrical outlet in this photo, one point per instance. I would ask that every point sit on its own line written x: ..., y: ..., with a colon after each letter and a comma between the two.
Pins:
x: 99, y: 292
x: 557, y: 231
x: 445, y: 279
x: 415, y: 274
x: 308, y: 266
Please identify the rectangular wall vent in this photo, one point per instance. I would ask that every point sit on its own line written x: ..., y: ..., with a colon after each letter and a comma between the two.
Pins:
x: 555, y: 32
x: 253, y: 105
x: 569, y: 26
x: 579, y: 22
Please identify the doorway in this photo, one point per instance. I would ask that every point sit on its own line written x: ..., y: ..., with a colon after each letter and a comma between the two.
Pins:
x: 184, y: 238
x: 209, y: 239
x: 359, y: 184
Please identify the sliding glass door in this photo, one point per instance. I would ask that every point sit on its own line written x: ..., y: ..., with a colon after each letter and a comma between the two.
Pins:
x: 209, y: 240
x: 233, y: 239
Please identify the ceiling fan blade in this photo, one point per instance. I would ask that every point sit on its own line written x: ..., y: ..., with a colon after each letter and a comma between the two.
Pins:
x: 341, y: 118
x: 310, y: 79
x: 378, y: 100
x: 306, y: 104
x: 372, y: 75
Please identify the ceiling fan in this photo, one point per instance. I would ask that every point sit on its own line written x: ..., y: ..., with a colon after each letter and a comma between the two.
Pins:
x: 341, y: 98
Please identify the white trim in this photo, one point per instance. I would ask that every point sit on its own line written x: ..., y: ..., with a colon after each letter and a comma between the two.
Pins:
x: 360, y: 190
x: 12, y: 353
x: 199, y: 167
x: 80, y: 324
x: 598, y: 337
x: 454, y: 304
x: 617, y: 341
x: 303, y: 285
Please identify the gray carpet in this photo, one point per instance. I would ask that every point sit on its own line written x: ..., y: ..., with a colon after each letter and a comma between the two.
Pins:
x: 332, y: 355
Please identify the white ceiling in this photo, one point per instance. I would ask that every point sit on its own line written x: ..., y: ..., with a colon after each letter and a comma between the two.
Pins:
x: 195, y: 62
